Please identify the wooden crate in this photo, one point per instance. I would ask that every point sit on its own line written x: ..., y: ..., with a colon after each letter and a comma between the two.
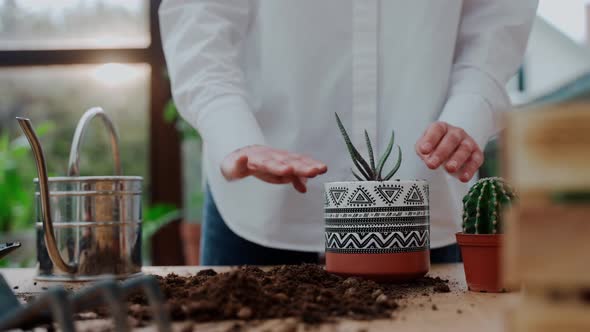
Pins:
x: 547, y: 244
x: 539, y: 311
x: 548, y: 148
x: 546, y: 157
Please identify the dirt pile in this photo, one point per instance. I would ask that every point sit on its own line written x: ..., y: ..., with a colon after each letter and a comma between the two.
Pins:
x: 305, y: 292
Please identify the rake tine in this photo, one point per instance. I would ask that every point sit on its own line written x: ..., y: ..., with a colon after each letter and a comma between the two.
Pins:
x: 55, y: 300
x: 62, y: 309
x: 155, y: 299
x: 105, y: 292
x: 8, y: 301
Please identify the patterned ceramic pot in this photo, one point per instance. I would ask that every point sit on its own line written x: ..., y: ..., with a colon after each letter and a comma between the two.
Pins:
x: 378, y: 230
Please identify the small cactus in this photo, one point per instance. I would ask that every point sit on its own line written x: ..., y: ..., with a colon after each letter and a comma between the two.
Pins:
x: 483, y: 204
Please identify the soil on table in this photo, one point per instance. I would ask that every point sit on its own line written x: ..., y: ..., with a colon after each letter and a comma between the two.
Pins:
x: 306, y: 292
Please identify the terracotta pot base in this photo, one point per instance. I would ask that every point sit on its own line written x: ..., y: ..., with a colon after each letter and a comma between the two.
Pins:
x: 481, y: 260
x: 395, y: 267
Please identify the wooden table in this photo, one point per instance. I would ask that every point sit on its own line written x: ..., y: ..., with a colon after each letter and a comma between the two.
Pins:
x: 459, y: 310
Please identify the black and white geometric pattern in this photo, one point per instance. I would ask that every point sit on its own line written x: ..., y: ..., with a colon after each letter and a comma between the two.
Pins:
x: 377, y: 217
x: 389, y: 194
x: 414, y: 196
x: 426, y: 191
x: 360, y: 197
x: 389, y: 221
x: 338, y: 194
x: 376, y: 194
x: 377, y: 242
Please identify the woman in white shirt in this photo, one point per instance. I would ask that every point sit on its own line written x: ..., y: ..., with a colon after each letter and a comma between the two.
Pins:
x: 261, y: 80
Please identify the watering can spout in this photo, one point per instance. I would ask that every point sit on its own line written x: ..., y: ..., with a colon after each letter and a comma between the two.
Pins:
x: 39, y: 156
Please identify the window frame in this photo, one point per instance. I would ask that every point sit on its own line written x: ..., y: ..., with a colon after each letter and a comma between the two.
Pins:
x: 164, y: 145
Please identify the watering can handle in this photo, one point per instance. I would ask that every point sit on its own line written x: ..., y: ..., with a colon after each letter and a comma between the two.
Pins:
x: 74, y: 163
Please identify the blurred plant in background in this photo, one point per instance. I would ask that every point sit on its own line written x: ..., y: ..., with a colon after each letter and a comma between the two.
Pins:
x: 191, y: 164
x: 17, y: 170
x: 154, y: 217
x: 185, y: 130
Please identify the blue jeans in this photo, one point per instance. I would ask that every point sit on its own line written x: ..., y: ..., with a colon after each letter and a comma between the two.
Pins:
x: 221, y: 246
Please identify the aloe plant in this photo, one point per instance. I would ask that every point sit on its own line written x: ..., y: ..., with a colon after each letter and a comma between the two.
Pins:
x: 369, y: 171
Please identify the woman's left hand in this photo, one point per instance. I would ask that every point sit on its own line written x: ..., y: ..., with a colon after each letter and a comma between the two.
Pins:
x: 444, y: 144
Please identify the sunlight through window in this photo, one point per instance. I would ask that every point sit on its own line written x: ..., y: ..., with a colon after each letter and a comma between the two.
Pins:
x: 116, y: 74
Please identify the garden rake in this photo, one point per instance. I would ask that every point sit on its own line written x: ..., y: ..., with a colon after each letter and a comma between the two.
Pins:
x: 59, y: 305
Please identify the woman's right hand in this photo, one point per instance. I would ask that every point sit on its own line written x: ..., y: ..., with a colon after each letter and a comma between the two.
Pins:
x: 271, y: 165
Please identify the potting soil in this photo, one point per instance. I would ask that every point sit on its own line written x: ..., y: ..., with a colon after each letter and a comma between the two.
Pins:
x: 306, y: 292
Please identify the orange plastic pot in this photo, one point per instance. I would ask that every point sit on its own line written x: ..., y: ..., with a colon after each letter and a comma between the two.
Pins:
x: 481, y: 261
x: 377, y: 229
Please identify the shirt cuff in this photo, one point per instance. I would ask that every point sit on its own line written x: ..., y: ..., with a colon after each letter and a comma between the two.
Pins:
x: 226, y: 124
x: 473, y: 114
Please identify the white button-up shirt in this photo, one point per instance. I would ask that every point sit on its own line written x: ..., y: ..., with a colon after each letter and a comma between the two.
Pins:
x: 273, y: 72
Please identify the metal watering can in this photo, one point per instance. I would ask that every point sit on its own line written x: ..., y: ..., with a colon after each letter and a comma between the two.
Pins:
x: 88, y: 227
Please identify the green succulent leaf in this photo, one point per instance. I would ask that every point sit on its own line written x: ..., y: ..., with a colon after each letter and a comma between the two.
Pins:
x: 385, y: 156
x: 360, y: 168
x: 397, y: 165
x: 370, y: 149
x: 354, y: 154
x: 369, y: 170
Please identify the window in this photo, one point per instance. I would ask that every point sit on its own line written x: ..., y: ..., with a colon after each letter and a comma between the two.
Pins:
x: 73, y: 24
x: 60, y: 57
x: 61, y: 93
x: 569, y: 17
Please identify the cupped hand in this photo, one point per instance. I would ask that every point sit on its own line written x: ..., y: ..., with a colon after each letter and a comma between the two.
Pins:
x: 271, y: 165
x: 444, y: 144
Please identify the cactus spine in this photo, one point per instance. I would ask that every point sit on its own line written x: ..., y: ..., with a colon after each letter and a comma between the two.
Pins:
x: 483, y: 204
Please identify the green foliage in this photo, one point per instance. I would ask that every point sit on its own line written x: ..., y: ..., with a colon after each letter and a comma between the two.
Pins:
x: 483, y: 205
x: 154, y: 217
x: 368, y: 170
x: 17, y: 170
x: 185, y: 130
